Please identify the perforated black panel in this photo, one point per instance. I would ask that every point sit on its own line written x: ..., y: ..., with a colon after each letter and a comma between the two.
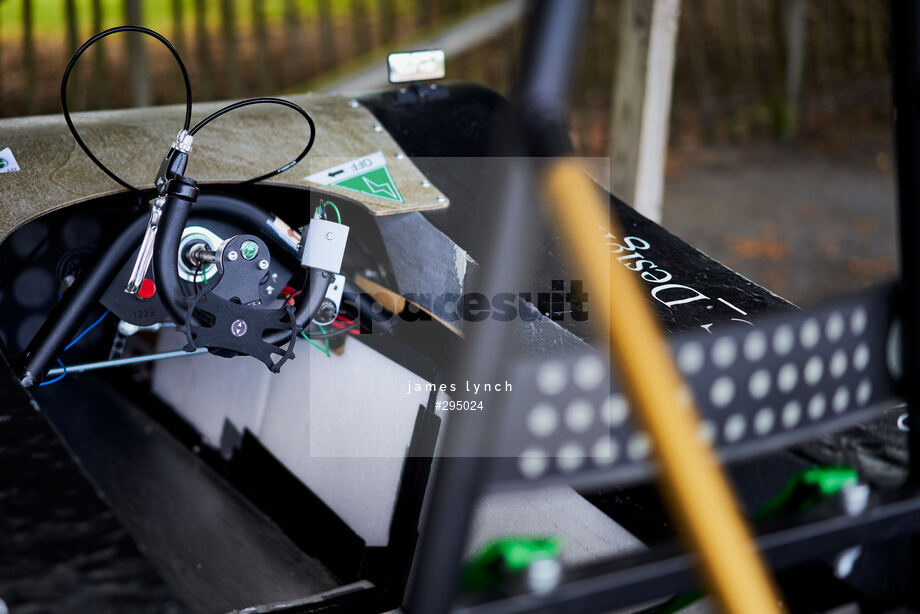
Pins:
x: 756, y: 389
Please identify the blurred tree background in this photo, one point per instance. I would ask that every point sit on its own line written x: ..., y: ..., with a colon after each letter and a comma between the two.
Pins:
x: 733, y: 78
x: 795, y: 93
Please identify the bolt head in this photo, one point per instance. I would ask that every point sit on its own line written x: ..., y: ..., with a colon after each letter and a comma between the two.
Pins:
x: 330, y: 236
x: 378, y: 128
x: 238, y: 328
x: 232, y: 256
x: 263, y: 264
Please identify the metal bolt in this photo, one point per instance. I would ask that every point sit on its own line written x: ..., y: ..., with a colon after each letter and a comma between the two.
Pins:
x: 330, y: 236
x: 378, y: 128
x: 426, y: 184
x: 441, y: 199
x: 353, y: 103
x: 400, y: 155
x: 232, y: 256
x: 855, y: 499
x: 263, y: 264
x: 238, y: 328
x: 543, y: 575
x: 274, y: 277
x: 846, y: 560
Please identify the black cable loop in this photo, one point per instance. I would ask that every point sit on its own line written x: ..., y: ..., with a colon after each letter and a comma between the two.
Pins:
x: 245, y: 103
x: 70, y: 65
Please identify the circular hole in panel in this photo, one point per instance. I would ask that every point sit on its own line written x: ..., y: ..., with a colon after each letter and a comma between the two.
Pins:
x: 792, y: 411
x: 579, y: 415
x: 638, y: 446
x: 589, y: 372
x: 570, y: 457
x: 706, y: 431
x: 724, y: 351
x: 722, y: 391
x: 838, y: 364
x: 532, y: 463
x: 605, y: 451
x: 816, y: 406
x: 783, y: 340
x: 835, y: 327
x: 552, y: 377
x: 542, y: 420
x: 841, y: 399
x: 787, y: 377
x: 755, y: 346
x: 690, y: 358
x: 861, y: 357
x: 814, y: 369
x: 810, y: 333
x: 614, y: 410
x: 763, y: 421
x: 759, y: 384
x: 734, y: 427
x: 858, y: 321
x: 863, y: 392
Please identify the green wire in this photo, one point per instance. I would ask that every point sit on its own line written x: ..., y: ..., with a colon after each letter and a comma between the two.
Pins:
x: 332, y: 204
x: 324, y: 350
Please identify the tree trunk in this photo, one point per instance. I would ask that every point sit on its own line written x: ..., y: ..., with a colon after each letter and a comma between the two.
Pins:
x: 231, y: 54
x: 138, y: 76
x: 203, y: 82
x: 29, y: 93
x: 266, y: 67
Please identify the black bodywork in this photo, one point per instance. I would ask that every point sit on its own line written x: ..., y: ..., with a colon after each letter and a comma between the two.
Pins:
x: 109, y: 503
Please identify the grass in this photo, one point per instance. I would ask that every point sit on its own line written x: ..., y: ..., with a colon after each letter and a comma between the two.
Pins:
x: 50, y: 21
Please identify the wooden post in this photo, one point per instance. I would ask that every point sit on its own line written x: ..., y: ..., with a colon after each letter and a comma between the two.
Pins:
x: 30, y: 97
x: 138, y: 77
x: 642, y: 102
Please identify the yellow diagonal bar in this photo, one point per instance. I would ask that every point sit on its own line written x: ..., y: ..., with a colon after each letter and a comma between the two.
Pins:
x: 695, y: 488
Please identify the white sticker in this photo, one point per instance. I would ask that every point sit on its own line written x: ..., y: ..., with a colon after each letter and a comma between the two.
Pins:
x: 8, y: 162
x: 368, y: 174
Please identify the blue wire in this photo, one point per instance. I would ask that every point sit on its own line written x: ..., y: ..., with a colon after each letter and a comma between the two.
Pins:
x: 88, y: 328
x: 58, y: 378
x: 70, y: 345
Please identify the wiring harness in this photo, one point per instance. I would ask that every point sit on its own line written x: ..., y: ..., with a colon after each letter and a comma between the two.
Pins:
x: 206, y: 318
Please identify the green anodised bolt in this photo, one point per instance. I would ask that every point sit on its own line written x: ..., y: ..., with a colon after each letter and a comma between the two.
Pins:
x: 503, y: 558
x: 249, y: 250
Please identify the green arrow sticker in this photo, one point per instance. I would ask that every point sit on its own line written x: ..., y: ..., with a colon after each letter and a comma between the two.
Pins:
x: 368, y: 174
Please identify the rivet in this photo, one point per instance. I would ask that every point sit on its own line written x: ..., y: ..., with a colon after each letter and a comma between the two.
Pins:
x: 263, y: 264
